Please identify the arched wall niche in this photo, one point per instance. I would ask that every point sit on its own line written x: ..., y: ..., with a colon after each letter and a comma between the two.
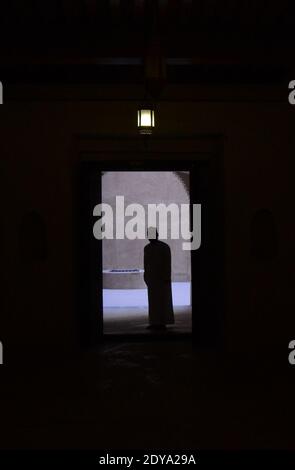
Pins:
x: 32, y: 238
x: 264, y: 237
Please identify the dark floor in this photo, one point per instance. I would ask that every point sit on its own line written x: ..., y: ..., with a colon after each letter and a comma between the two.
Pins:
x: 148, y: 395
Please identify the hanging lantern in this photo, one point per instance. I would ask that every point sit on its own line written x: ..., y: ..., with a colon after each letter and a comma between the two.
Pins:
x: 145, y: 120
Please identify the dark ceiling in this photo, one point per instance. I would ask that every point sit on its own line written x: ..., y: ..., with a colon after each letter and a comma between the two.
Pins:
x: 109, y: 40
x: 212, y: 16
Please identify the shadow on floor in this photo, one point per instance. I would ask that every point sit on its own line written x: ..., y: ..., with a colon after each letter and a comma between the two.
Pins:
x: 135, y: 321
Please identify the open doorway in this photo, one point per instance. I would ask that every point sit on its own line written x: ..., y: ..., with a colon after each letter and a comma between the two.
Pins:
x: 125, y: 296
x: 111, y: 293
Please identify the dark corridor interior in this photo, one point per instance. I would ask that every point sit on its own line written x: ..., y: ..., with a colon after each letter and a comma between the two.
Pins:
x: 205, y: 87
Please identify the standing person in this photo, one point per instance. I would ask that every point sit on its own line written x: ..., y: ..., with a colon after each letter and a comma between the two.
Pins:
x: 157, y: 276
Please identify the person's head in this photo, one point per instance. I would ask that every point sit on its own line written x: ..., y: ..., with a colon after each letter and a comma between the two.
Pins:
x: 152, y: 234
